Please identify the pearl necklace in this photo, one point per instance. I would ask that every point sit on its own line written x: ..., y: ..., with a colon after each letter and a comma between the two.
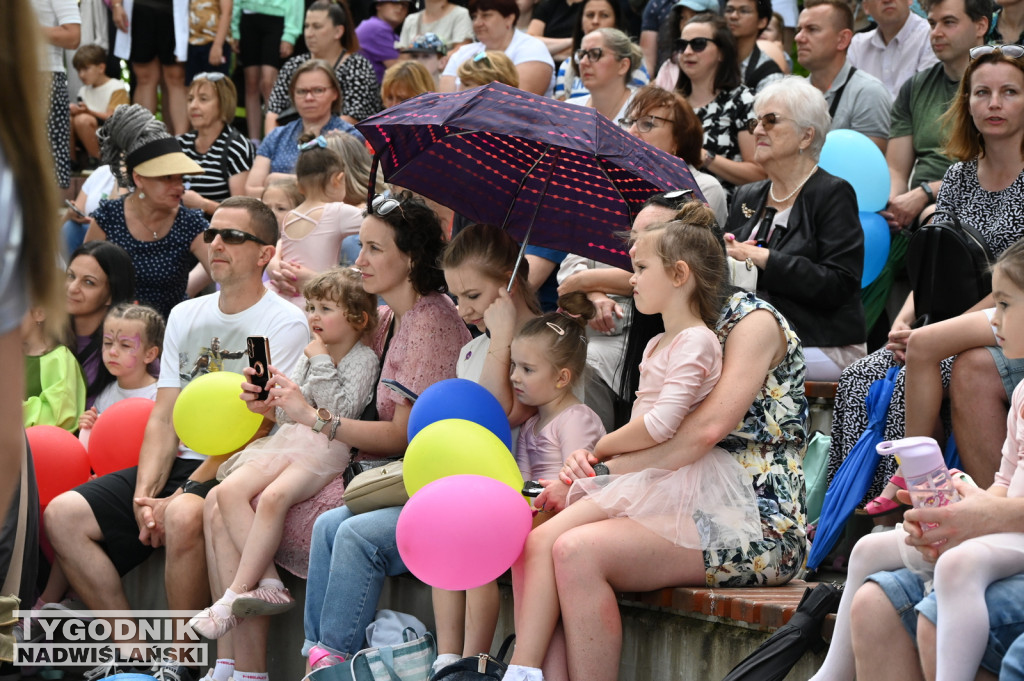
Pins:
x: 787, y: 197
x: 138, y: 212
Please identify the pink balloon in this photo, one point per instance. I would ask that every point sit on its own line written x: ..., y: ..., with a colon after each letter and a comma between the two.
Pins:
x: 463, y: 531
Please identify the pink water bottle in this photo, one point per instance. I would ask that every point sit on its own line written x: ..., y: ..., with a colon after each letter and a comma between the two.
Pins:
x: 928, y: 480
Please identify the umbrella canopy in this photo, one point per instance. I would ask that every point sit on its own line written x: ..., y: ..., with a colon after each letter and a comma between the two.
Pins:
x: 773, y: 659
x: 499, y: 155
x: 853, y: 478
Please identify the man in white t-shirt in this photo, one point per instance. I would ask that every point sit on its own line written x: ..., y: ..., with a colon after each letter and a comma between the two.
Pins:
x: 103, y: 529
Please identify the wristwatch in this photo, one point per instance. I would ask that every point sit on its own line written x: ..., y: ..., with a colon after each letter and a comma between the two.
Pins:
x: 323, y: 417
x: 601, y: 469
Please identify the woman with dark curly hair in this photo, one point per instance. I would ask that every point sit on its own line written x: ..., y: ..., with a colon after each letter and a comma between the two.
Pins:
x: 418, y: 341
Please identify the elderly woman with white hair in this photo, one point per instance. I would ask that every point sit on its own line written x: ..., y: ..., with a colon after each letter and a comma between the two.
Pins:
x: 800, y: 229
x: 605, y: 63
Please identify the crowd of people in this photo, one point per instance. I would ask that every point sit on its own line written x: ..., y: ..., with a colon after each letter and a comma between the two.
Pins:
x: 662, y: 409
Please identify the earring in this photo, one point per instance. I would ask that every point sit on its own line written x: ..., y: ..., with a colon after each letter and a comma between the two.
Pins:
x: 142, y: 195
x: 800, y: 151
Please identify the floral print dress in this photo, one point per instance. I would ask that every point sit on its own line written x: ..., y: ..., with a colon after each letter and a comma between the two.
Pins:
x: 770, y: 443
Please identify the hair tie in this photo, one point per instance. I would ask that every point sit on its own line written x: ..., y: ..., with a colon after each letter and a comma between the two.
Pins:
x: 320, y: 141
x: 562, y: 311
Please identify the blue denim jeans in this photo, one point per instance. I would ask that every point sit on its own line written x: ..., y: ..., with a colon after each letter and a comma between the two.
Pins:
x: 1005, y: 602
x: 1013, y: 662
x: 349, y: 558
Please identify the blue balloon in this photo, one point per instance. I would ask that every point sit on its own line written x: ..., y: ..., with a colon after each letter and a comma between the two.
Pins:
x: 457, y: 398
x: 876, y: 246
x: 855, y: 158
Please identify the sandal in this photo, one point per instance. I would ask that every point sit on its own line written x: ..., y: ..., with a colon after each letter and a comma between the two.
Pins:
x: 881, y: 505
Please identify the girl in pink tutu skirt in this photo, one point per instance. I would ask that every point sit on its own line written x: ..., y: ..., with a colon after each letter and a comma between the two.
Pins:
x: 334, y: 379
x: 678, y: 270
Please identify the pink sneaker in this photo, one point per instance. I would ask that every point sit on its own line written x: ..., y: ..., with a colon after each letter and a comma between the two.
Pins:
x: 322, y: 657
x: 264, y: 600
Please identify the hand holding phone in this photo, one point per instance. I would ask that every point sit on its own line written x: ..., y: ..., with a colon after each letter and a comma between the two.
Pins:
x: 74, y: 209
x: 400, y: 389
x: 258, y: 350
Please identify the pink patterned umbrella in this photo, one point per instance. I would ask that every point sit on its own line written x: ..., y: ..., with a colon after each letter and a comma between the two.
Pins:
x: 554, y: 174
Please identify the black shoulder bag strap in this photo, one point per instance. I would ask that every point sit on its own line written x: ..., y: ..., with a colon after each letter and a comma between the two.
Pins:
x: 839, y: 93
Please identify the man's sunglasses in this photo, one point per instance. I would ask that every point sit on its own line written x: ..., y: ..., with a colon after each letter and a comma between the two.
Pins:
x: 231, y: 236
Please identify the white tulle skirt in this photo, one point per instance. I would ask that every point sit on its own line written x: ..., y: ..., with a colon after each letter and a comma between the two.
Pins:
x: 291, y: 443
x: 708, y: 505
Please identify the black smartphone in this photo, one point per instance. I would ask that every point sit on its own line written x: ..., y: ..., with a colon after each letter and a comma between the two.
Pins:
x: 400, y: 389
x: 532, y: 488
x: 74, y: 209
x: 258, y: 349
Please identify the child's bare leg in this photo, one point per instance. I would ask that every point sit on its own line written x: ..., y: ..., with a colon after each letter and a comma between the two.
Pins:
x: 293, y: 485
x: 873, y: 553
x: 234, y: 496
x: 450, y: 623
x: 482, y: 606
x: 926, y: 347
x: 962, y: 574
x: 539, y: 610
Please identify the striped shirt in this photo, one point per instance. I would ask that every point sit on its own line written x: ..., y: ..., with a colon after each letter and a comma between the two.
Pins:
x: 213, y: 184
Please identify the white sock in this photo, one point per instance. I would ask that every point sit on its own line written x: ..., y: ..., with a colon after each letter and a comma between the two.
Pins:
x: 223, y: 670
x: 442, y: 661
x: 222, y: 608
x: 517, y: 672
x: 251, y: 676
x: 873, y: 553
x: 272, y: 584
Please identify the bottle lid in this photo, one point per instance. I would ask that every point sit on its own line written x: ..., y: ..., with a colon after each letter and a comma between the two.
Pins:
x: 917, y: 455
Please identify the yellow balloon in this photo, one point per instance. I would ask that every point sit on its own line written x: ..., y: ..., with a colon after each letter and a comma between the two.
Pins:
x: 458, y: 447
x: 211, y: 418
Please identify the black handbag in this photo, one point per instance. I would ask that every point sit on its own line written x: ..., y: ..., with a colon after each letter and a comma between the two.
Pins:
x: 948, y: 267
x: 481, y: 667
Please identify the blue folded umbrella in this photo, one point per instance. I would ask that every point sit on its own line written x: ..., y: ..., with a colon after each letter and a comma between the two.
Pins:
x: 854, y: 476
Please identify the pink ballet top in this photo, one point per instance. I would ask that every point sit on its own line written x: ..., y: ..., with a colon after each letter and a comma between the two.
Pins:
x: 676, y: 379
x: 1011, y: 470
x: 317, y: 250
x: 540, y: 454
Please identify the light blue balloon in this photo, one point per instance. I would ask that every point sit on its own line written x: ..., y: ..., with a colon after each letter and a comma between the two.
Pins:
x: 855, y: 158
x: 876, y: 246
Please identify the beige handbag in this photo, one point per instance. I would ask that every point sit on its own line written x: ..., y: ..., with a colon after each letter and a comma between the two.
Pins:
x: 380, y: 487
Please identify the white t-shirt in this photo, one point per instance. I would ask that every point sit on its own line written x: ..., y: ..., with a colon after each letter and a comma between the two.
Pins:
x: 196, y: 326
x: 114, y: 393
x: 522, y: 49
x: 53, y: 13
x: 98, y: 186
x: 453, y: 28
x: 98, y: 98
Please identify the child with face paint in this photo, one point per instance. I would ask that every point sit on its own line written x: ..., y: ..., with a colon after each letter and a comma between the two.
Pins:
x: 132, y: 338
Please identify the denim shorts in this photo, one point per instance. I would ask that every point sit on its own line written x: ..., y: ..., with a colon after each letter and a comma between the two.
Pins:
x: 1010, y: 370
x: 1005, y: 601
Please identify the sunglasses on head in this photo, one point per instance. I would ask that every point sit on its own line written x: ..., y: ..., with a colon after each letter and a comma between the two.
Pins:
x: 767, y: 122
x: 212, y: 76
x: 593, y: 54
x: 1011, y: 51
x: 383, y: 204
x: 697, y: 44
x: 233, y: 237
x: 319, y: 141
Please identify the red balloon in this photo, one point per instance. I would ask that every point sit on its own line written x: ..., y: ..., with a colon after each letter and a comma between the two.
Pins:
x: 116, y: 436
x: 60, y: 461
